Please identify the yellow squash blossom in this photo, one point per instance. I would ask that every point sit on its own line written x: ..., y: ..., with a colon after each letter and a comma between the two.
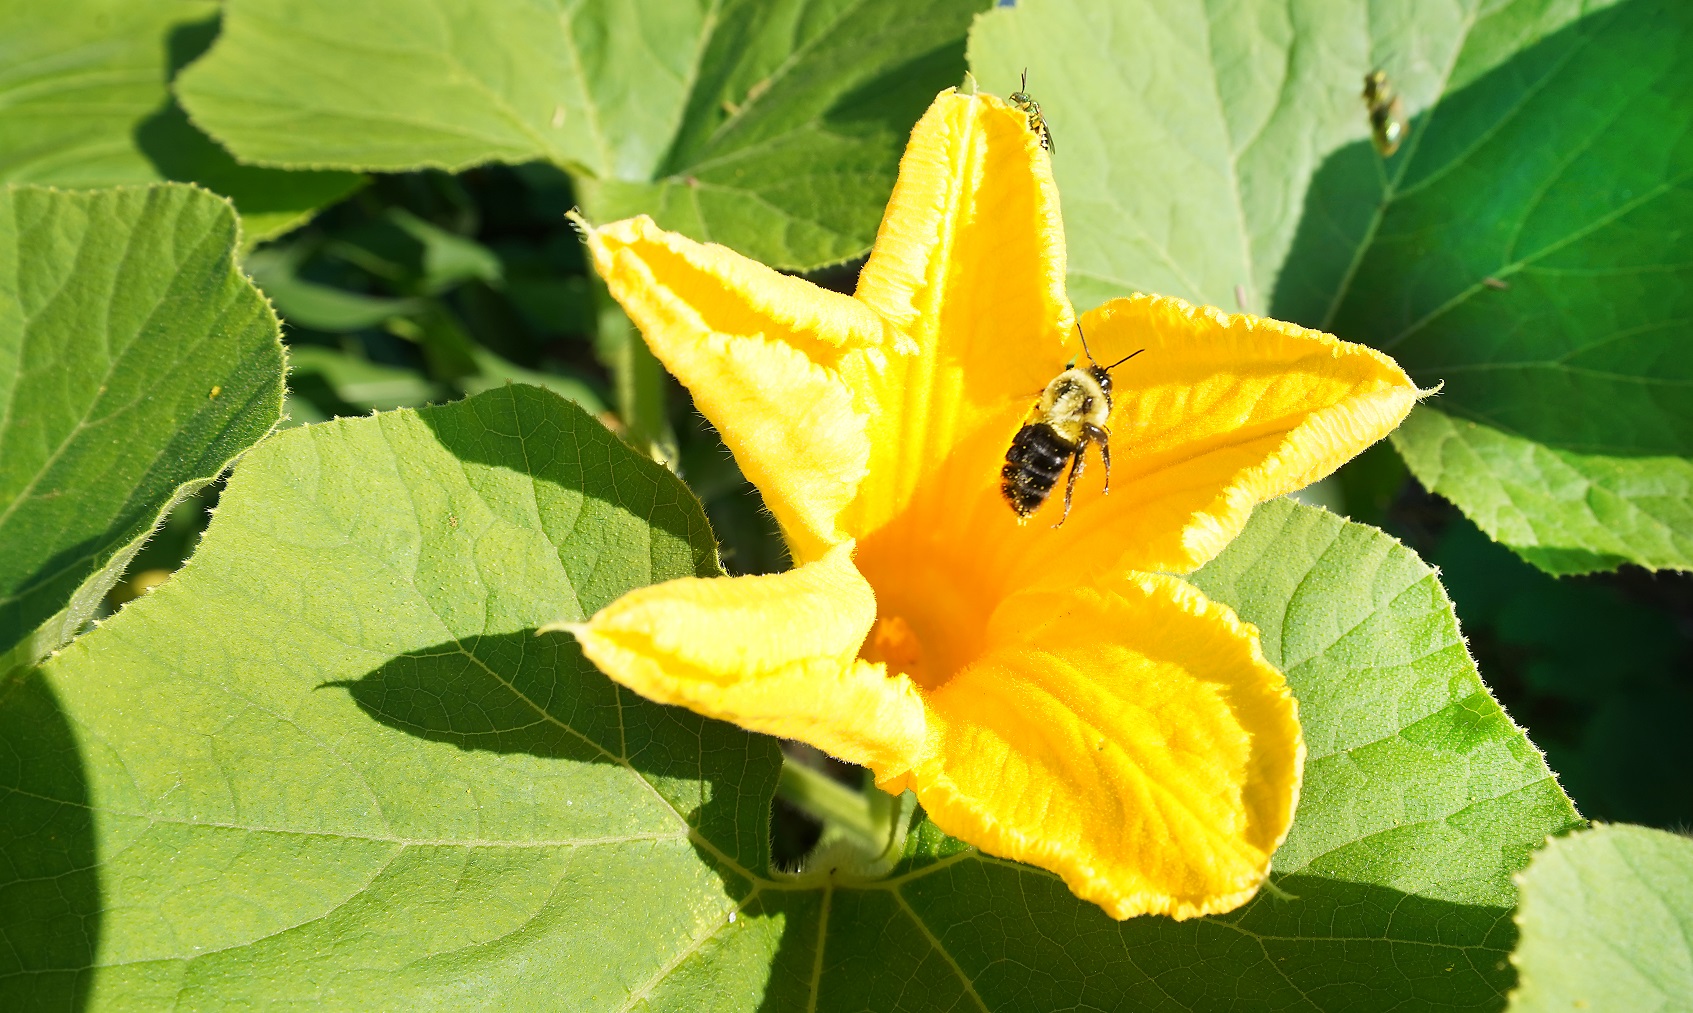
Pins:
x: 1050, y: 693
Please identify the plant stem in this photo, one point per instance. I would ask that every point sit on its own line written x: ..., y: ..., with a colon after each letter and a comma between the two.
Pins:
x: 638, y: 379
x: 821, y: 796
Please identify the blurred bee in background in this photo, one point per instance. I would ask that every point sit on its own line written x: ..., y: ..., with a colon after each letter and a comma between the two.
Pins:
x: 1387, y: 114
x: 1071, y: 414
x: 1024, y: 101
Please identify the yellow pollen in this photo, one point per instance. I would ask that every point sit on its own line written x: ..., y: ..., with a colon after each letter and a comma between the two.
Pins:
x: 894, y: 643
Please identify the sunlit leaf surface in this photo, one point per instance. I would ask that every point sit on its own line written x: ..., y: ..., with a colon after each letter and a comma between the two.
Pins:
x: 774, y: 128
x: 1563, y: 511
x: 135, y: 362
x: 85, y: 102
x: 331, y: 762
x: 1606, y: 920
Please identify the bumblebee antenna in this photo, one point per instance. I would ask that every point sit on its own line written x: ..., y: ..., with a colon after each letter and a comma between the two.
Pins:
x: 1085, y: 347
x: 1025, y: 85
x: 1089, y: 351
x: 1124, y: 359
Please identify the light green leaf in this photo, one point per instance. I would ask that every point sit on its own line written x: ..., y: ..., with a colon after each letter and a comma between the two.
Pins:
x: 1420, y: 801
x: 774, y: 128
x: 1526, y: 246
x: 135, y: 363
x: 1606, y: 922
x: 1393, y: 890
x: 1565, y: 512
x: 330, y: 762
x: 85, y: 102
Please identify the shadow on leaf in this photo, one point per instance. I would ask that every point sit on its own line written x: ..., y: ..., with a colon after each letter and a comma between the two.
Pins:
x: 523, y: 423
x: 1018, y: 939
x: 49, y: 883
x: 523, y: 693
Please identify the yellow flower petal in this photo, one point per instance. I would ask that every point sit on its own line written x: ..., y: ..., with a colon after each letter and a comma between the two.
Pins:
x: 969, y: 263
x: 1129, y: 737
x: 776, y: 654
x: 1220, y: 413
x: 760, y: 352
x: 1048, y: 700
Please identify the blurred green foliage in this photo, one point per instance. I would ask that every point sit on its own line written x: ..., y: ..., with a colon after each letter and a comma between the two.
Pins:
x: 425, y: 287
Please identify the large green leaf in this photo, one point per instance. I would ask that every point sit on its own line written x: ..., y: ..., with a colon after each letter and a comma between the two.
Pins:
x: 773, y: 127
x: 1420, y: 800
x: 135, y: 363
x: 1526, y: 246
x: 85, y: 102
x: 1607, y: 924
x: 330, y: 762
x: 1563, y: 511
x: 1595, y: 670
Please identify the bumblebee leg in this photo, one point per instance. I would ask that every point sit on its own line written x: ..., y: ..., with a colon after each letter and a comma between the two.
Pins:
x: 1103, y: 438
x: 1076, y: 463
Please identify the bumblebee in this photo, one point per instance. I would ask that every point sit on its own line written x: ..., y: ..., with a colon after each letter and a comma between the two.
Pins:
x: 1387, y: 114
x: 1024, y: 101
x: 1070, y: 415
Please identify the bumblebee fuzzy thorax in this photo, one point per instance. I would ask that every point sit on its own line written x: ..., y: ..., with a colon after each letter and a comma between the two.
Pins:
x: 1074, y: 398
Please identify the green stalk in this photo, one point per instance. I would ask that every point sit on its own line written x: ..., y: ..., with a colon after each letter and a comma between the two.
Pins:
x: 834, y: 804
x: 637, y: 377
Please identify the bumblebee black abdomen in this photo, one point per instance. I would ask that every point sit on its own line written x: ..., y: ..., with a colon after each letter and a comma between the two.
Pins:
x: 1032, y: 465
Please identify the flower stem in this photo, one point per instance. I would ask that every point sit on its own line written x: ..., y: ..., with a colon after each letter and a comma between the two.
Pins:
x: 638, y: 379
x: 834, y: 804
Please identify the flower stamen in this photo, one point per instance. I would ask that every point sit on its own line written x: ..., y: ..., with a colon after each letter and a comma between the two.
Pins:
x: 895, y: 644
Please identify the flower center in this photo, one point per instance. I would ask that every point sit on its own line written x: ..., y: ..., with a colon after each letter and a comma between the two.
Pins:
x: 932, y: 603
x: 895, y: 644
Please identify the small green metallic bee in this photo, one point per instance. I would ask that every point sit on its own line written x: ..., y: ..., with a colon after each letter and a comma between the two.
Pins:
x: 1024, y: 101
x: 1072, y: 412
x: 1387, y: 114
